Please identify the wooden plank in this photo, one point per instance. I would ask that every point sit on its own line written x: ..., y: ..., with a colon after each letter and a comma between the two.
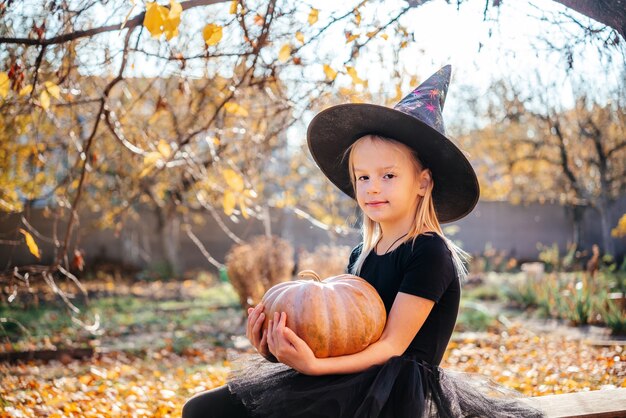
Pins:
x: 609, y: 403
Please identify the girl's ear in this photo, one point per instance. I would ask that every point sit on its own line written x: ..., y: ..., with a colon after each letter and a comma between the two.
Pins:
x: 424, y: 180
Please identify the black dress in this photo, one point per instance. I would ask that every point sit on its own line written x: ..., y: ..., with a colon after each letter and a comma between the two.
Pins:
x: 410, y: 385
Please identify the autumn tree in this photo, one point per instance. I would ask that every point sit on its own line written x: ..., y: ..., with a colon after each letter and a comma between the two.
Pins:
x: 533, y: 150
x: 179, y: 108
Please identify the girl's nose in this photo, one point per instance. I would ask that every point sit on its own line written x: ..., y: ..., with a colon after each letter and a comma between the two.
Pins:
x: 373, y: 187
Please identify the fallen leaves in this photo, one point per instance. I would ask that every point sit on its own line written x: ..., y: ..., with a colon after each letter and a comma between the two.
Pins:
x: 540, y: 364
x: 115, y: 384
x: 158, y: 382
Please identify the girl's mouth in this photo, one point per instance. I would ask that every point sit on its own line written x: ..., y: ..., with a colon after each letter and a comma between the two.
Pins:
x: 375, y: 204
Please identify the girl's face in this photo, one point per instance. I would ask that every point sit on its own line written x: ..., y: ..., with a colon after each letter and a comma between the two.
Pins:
x: 386, y: 181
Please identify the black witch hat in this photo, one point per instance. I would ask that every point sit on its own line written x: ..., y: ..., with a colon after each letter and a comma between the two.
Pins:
x: 415, y: 121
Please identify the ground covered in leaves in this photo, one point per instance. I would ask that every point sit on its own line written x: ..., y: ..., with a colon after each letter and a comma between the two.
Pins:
x: 156, y: 383
x: 159, y: 343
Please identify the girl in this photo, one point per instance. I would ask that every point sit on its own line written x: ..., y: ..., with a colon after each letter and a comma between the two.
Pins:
x: 407, y: 179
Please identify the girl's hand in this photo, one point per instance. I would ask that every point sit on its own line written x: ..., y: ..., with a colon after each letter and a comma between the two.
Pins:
x: 288, y: 348
x: 255, y: 332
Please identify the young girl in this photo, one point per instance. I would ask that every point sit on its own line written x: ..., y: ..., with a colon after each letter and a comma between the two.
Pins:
x: 407, y: 178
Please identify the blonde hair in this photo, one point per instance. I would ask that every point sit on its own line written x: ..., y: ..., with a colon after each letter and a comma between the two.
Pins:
x: 425, y: 215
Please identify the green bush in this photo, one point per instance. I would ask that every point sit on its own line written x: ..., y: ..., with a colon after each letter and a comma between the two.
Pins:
x: 474, y: 316
x: 615, y: 318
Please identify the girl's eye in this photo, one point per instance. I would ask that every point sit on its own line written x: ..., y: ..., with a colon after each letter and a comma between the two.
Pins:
x: 389, y: 175
x: 362, y: 178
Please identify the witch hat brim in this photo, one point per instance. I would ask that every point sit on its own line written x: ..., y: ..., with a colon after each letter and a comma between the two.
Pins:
x: 333, y: 130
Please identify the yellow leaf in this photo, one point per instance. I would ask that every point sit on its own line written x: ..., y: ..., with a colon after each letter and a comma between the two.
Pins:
x: 357, y: 17
x: 30, y: 242
x: 234, y: 180
x: 5, y: 85
x: 145, y: 171
x: 371, y: 34
x: 155, y: 116
x: 313, y: 16
x: 242, y: 206
x: 53, y: 89
x: 620, y: 230
x: 330, y: 73
x: 155, y: 18
x: 40, y: 178
x: 175, y: 10
x: 151, y: 158
x: 171, y: 33
x: 233, y: 7
x: 164, y: 148
x: 229, y: 202
x: 310, y: 189
x: 232, y: 107
x: 26, y: 90
x: 352, y: 73
x: 352, y: 37
x: 212, y: 34
x: 85, y: 379
x: 300, y: 37
x: 258, y: 20
x: 172, y: 21
x: 44, y: 100
x: 384, y: 36
x: 285, y: 53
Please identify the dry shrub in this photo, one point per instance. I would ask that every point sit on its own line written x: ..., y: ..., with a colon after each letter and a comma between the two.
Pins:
x: 325, y: 260
x: 258, y: 265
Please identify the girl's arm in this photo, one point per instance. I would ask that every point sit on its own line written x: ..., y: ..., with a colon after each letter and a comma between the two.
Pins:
x: 407, y: 315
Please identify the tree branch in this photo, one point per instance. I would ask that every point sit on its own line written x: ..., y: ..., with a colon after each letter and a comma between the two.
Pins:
x: 130, y: 24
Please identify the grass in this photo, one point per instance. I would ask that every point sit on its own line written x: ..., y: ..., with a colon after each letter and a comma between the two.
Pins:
x: 121, y: 317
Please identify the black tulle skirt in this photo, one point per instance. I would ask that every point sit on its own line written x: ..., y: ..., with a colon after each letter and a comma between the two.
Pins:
x: 402, y: 387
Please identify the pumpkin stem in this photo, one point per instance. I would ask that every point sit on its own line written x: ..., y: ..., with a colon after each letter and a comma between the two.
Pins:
x: 311, y: 273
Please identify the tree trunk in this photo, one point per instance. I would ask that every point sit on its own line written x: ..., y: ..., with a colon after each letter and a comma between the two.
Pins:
x: 605, y: 224
x: 577, y: 212
x: 609, y: 12
x: 169, y: 232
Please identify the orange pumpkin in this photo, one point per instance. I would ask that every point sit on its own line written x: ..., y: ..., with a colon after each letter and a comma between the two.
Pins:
x: 335, y: 316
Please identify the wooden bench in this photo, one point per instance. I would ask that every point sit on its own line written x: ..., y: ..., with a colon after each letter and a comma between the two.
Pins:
x: 609, y: 403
